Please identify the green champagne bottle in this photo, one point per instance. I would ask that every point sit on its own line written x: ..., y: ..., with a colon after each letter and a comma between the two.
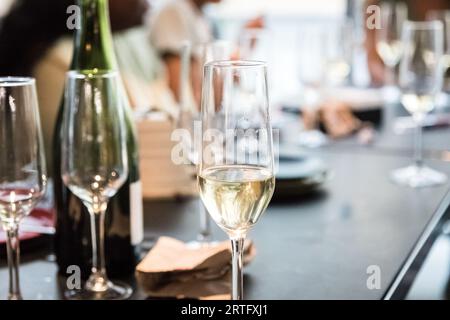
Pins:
x: 93, y: 50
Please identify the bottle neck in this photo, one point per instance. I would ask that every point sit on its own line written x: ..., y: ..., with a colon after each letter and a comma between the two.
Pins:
x: 93, y: 42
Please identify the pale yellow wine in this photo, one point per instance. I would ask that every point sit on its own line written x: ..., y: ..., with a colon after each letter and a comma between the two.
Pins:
x: 236, y: 196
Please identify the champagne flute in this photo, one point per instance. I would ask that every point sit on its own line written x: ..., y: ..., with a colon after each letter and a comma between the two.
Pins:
x: 236, y: 168
x: 420, y: 82
x: 94, y: 163
x: 23, y: 177
x: 193, y: 58
x: 388, y: 41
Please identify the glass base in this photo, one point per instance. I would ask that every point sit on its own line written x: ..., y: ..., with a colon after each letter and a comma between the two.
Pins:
x: 114, y: 291
x: 16, y: 296
x: 418, y: 177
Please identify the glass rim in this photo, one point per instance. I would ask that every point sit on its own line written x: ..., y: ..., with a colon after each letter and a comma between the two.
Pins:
x: 236, y: 64
x: 16, y: 81
x: 91, y: 74
x: 423, y: 25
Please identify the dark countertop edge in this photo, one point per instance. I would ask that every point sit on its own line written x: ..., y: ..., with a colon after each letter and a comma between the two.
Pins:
x: 400, y: 285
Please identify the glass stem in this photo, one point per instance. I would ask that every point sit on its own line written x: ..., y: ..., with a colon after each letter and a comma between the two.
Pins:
x: 13, y: 252
x: 98, y: 280
x: 205, y: 224
x: 418, y: 142
x: 237, y: 246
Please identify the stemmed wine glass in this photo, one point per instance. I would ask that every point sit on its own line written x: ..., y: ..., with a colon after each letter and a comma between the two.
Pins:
x: 236, y: 164
x: 420, y: 82
x: 443, y: 100
x: 23, y: 177
x: 94, y: 163
x: 311, y: 49
x: 338, y: 53
x: 388, y: 41
x: 193, y: 57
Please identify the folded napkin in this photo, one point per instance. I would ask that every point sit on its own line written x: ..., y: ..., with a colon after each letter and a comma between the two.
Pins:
x: 172, y: 269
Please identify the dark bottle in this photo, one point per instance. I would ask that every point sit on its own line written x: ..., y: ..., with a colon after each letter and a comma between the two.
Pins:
x: 93, y: 50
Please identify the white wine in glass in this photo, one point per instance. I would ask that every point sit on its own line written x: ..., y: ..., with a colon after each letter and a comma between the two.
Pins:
x: 227, y: 188
x: 236, y: 168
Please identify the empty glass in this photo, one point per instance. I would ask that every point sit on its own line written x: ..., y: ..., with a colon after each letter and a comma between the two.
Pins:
x: 95, y: 163
x: 23, y: 177
x: 389, y: 44
x: 193, y: 58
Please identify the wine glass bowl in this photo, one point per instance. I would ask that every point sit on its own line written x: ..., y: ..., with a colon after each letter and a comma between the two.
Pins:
x: 388, y: 37
x: 420, y: 82
x: 389, y: 45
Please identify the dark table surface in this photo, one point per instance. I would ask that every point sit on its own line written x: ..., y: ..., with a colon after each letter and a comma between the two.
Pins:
x: 314, y: 247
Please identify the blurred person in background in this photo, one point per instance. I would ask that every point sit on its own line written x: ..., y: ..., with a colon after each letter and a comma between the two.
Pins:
x: 35, y: 41
x: 179, y: 21
x: 417, y: 10
x: 4, y: 7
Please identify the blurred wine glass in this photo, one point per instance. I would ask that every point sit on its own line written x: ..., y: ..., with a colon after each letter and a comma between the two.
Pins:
x: 95, y: 164
x: 339, y: 50
x: 389, y: 43
x: 193, y: 58
x: 311, y: 60
x: 420, y: 82
x: 443, y: 100
x: 324, y: 62
x: 23, y: 177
